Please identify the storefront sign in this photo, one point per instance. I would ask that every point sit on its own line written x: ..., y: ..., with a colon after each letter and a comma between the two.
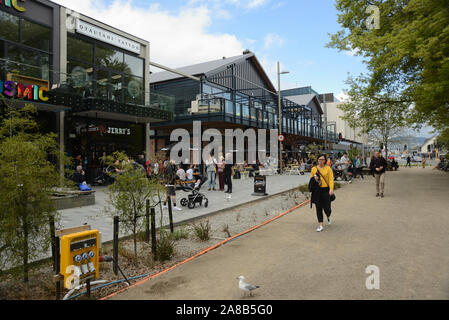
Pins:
x: 13, y: 3
x: 100, y: 34
x: 19, y: 90
x: 119, y: 131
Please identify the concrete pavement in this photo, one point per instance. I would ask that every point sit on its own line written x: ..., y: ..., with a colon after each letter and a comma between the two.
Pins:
x: 405, y: 235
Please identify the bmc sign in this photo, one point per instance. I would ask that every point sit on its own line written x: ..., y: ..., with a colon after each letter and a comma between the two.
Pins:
x: 13, y: 3
x: 19, y: 90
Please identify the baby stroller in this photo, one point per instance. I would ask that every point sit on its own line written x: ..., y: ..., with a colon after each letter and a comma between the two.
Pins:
x: 196, y: 196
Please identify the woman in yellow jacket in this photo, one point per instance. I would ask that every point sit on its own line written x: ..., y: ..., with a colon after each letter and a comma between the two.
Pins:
x: 325, y: 178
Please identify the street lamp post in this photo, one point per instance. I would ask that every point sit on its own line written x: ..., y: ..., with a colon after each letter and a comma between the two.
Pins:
x: 280, y: 113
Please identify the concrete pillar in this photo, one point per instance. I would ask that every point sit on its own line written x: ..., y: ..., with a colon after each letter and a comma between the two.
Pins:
x: 147, y: 142
x: 63, y: 44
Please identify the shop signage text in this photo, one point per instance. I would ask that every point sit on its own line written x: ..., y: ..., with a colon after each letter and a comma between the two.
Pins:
x: 120, y: 131
x: 13, y: 3
x: 100, y: 34
x: 19, y: 90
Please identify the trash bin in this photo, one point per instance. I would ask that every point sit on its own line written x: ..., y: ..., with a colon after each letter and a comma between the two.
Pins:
x: 260, y: 186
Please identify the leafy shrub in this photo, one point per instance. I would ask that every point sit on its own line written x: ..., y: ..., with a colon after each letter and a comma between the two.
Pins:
x: 179, y: 234
x: 165, y: 247
x: 202, y: 231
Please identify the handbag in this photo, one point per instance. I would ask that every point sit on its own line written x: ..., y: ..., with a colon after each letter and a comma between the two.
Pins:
x: 333, y: 197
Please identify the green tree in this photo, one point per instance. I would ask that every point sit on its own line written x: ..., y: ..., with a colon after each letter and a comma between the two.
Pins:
x: 129, y: 192
x: 380, y: 116
x: 27, y: 179
x: 408, y: 54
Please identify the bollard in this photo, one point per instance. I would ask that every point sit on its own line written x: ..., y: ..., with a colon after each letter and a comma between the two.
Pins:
x: 147, y: 222
x: 170, y: 214
x: 153, y: 233
x: 115, y: 245
x: 88, y: 288
x: 53, y: 242
x: 58, y: 265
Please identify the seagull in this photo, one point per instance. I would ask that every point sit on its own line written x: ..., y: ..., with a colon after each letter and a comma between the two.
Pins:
x: 246, y: 286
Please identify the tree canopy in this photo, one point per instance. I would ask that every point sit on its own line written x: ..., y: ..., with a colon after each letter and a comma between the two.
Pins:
x: 408, y: 54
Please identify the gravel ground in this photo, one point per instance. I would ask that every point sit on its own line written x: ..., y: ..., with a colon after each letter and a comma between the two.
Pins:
x: 222, y: 226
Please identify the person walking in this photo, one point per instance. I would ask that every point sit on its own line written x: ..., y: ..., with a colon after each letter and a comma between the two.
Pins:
x: 344, y: 163
x: 359, y: 166
x: 409, y: 162
x: 323, y: 178
x: 423, y: 162
x: 220, y: 168
x: 170, y: 179
x: 228, y: 172
x: 378, y: 167
x: 210, y: 169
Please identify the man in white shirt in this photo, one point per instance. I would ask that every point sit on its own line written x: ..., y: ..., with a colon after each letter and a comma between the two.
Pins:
x: 181, y: 173
x: 344, y: 162
x: 190, y: 173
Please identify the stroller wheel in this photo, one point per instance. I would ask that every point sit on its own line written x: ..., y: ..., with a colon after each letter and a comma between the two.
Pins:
x: 184, y: 202
x: 191, y: 205
x: 206, y: 203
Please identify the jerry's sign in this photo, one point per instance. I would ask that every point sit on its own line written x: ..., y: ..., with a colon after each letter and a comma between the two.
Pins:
x: 21, y: 91
x: 13, y: 3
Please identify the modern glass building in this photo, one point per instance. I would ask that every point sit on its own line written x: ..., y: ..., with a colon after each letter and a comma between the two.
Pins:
x: 88, y: 80
x: 235, y: 93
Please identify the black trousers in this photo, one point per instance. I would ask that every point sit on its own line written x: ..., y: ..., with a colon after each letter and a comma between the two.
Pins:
x: 228, y: 182
x: 324, y: 203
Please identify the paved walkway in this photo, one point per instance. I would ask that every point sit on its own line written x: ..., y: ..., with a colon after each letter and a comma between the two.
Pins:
x: 405, y: 235
x: 96, y: 216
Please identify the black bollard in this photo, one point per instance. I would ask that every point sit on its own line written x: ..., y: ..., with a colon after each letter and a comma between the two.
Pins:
x: 53, y: 242
x: 147, y: 222
x: 115, y: 245
x: 170, y: 214
x: 153, y: 233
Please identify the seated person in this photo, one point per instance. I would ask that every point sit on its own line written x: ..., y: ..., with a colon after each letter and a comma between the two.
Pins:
x: 181, y: 173
x: 190, y: 173
x: 80, y: 176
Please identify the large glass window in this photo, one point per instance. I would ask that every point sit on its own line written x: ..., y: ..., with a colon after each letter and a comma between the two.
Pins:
x: 79, y: 49
x: 229, y: 107
x: 79, y: 77
x: 9, y: 27
x: 134, y: 90
x: 133, y: 66
x: 109, y: 58
x: 245, y: 111
x: 36, y: 36
x: 28, y: 62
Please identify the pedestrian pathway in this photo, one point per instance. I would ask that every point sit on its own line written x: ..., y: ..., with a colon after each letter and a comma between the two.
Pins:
x: 405, y: 235
x: 242, y: 189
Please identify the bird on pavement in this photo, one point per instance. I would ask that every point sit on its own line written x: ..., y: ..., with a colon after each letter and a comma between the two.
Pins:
x: 246, y: 287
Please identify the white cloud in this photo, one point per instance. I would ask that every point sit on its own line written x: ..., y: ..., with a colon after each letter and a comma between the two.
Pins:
x: 273, y: 39
x: 176, y: 39
x: 256, y: 3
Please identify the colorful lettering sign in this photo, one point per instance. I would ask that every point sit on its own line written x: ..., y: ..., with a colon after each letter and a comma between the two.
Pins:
x: 19, y: 90
x: 13, y: 3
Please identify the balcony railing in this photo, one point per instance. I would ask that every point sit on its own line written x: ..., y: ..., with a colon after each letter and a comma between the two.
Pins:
x: 77, y: 87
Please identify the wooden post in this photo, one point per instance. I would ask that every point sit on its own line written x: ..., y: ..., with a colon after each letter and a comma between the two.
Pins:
x: 147, y: 222
x: 153, y: 233
x: 115, y: 245
x: 170, y: 214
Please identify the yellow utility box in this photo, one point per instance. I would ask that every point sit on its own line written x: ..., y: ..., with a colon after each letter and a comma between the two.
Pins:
x: 79, y: 257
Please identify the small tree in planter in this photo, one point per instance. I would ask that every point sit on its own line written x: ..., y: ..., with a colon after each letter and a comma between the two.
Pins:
x: 129, y: 192
x: 27, y: 179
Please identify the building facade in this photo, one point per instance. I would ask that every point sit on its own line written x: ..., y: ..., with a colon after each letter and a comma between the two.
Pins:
x: 233, y: 92
x: 89, y: 81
